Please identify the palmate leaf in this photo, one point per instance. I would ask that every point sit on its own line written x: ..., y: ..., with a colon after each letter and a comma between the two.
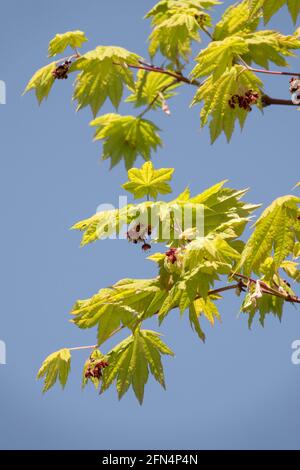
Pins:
x: 270, y: 7
x: 275, y: 233
x: 148, y: 182
x: 73, y: 39
x: 218, y: 56
x: 148, y: 87
x: 216, y: 95
x: 223, y: 211
x: 193, y: 274
x: 265, y: 46
x: 104, y: 72
x: 115, y: 306
x: 291, y: 268
x: 176, y: 24
x: 259, y: 47
x: 42, y: 82
x: 56, y: 366
x: 131, y: 360
x: 238, y: 18
x: 265, y: 305
x: 126, y: 137
x: 205, y: 307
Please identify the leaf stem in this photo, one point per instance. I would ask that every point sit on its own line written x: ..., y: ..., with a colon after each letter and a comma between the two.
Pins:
x: 69, y: 57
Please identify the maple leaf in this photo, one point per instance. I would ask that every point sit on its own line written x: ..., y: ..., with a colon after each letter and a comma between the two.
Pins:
x: 237, y: 18
x: 42, y: 82
x: 103, y: 73
x: 57, y: 365
x: 60, y: 42
x: 223, y: 211
x: 218, y: 56
x: 275, y: 232
x: 147, y: 181
x: 130, y: 361
x: 148, y: 89
x: 126, y: 137
x: 216, y: 95
x: 176, y: 25
x: 271, y: 7
x: 264, y: 305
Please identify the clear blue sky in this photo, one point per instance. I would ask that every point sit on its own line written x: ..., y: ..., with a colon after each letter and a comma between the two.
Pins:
x: 239, y: 390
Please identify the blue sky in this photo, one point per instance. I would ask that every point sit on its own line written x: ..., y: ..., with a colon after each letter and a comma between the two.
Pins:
x: 240, y: 389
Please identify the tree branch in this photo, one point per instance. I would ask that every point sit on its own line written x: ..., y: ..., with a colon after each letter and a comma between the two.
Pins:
x: 266, y: 289
x: 153, y: 68
x: 273, y: 72
x: 268, y: 101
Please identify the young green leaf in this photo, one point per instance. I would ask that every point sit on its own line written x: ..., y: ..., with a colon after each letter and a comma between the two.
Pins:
x: 148, y: 182
x: 217, y: 96
x: 176, y: 25
x: 264, y: 305
x: 218, y: 56
x: 60, y: 42
x: 270, y: 7
x: 275, y: 232
x: 57, y: 365
x: 270, y: 46
x: 103, y: 73
x: 126, y: 137
x: 238, y: 18
x: 194, y: 321
x: 130, y: 361
x: 259, y: 47
x: 116, y: 306
x: 42, y: 82
x: 152, y: 88
x: 223, y: 211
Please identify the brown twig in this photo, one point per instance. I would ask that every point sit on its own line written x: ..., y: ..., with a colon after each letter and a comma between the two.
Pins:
x: 153, y: 68
x: 266, y: 289
x: 268, y: 101
x: 274, y: 72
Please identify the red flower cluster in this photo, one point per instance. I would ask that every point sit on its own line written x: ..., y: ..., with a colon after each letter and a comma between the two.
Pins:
x: 61, y: 71
x: 244, y: 101
x: 95, y: 369
x: 171, y: 255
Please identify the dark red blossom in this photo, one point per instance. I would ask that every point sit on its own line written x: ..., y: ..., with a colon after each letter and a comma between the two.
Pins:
x: 95, y: 369
x: 61, y: 71
x: 171, y: 255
